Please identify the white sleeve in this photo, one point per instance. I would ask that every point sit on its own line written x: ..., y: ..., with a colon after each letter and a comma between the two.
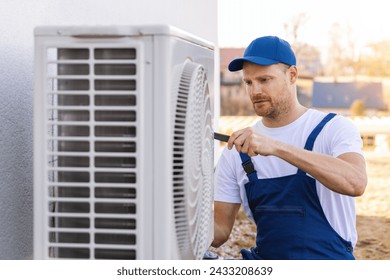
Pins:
x: 226, y: 188
x: 345, y: 137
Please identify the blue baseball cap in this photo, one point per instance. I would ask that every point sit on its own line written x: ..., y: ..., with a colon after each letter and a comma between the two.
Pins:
x: 265, y: 51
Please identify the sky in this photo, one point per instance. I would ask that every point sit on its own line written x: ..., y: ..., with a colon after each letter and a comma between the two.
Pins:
x: 241, y: 21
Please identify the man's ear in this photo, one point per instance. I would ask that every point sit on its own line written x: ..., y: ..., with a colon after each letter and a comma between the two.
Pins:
x: 293, y: 71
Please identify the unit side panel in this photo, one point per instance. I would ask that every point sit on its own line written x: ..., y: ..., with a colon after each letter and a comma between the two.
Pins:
x: 164, y: 236
x: 170, y: 56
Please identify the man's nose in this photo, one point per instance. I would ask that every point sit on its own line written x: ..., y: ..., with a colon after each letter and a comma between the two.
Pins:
x: 256, y: 88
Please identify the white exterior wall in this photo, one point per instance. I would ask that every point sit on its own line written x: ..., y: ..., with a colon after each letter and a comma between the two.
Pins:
x: 18, y: 18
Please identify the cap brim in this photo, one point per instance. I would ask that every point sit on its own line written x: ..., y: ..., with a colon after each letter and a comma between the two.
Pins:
x: 237, y: 63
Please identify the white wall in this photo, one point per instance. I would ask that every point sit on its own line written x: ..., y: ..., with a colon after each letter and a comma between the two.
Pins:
x: 17, y: 21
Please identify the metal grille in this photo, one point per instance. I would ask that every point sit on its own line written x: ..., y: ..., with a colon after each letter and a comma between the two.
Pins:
x: 192, y: 162
x: 91, y: 152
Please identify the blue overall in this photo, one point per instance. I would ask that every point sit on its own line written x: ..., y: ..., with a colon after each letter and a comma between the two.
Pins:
x: 289, y: 218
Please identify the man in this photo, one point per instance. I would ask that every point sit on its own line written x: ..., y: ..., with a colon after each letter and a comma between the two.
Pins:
x: 296, y: 171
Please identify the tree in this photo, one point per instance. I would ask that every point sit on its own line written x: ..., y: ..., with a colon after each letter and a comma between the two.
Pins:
x: 308, y: 56
x: 376, y: 59
x: 358, y: 108
x: 292, y: 28
x: 342, y: 57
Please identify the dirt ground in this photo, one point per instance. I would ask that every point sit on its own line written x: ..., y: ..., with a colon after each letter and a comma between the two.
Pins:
x: 373, y: 217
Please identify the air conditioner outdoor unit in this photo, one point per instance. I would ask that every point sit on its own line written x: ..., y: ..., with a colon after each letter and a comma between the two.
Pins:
x: 123, y: 143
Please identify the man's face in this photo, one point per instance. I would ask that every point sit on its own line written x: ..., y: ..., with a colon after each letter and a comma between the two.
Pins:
x: 269, y: 88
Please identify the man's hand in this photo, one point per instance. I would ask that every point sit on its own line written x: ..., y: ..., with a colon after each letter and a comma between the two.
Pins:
x: 250, y: 142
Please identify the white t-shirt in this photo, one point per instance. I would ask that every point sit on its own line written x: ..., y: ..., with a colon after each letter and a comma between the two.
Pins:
x: 339, y: 136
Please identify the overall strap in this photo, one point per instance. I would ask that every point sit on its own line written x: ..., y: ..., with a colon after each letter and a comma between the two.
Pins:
x: 248, y: 167
x: 316, y: 131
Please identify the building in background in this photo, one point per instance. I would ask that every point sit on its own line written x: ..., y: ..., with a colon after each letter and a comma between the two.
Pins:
x: 339, y: 96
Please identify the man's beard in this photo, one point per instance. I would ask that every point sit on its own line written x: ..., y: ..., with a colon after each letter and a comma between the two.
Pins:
x: 273, y: 112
